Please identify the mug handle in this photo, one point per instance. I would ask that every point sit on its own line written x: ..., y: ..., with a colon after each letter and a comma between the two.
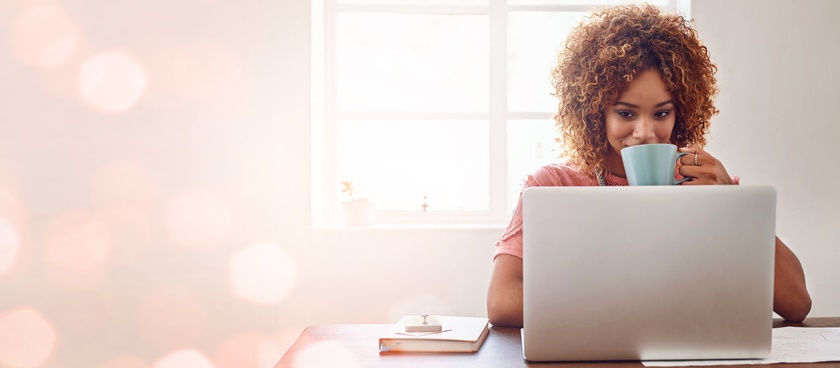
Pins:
x: 680, y: 154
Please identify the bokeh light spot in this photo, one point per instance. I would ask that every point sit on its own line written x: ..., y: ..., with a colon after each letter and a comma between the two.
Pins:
x: 187, y: 358
x: 44, y: 36
x: 198, y: 218
x: 112, y: 81
x: 26, y: 338
x: 326, y: 354
x: 170, y: 318
x: 262, y: 273
x: 9, y: 245
x: 76, y: 241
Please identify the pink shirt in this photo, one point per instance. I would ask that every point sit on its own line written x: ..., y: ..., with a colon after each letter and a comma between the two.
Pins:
x: 553, y: 175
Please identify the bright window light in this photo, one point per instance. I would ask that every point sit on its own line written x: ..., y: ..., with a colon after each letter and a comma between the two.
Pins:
x: 436, y: 110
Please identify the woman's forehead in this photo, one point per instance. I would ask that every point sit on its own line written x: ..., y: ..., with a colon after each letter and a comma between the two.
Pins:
x: 647, y: 86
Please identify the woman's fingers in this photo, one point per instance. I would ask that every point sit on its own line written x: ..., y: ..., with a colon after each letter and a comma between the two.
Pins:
x: 692, y: 159
x: 702, y: 167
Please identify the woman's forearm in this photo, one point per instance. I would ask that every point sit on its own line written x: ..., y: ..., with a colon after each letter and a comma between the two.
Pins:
x: 790, y: 295
x: 504, y: 297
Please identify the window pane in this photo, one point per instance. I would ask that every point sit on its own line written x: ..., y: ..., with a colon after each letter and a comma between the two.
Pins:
x: 531, y: 145
x: 396, y: 163
x: 534, y: 39
x: 415, y: 2
x: 585, y: 2
x: 412, y: 62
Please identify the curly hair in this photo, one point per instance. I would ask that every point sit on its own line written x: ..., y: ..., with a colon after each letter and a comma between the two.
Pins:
x: 600, y: 58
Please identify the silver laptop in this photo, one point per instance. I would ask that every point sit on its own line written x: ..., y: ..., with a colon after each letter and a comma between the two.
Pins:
x: 648, y: 273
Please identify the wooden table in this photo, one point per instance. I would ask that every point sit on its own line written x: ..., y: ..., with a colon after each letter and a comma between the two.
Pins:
x: 357, y: 346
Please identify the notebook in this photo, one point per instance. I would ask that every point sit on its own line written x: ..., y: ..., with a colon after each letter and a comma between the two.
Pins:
x: 459, y: 334
x: 648, y: 273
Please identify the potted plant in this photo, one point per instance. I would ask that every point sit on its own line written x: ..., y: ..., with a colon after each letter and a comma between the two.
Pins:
x: 357, y: 211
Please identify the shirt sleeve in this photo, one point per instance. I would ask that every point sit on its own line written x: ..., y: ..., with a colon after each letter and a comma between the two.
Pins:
x: 511, y: 241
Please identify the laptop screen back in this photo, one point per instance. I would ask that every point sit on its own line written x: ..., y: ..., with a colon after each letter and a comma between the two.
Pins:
x: 648, y: 273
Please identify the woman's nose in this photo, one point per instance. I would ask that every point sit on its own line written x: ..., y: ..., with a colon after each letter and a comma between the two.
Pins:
x: 644, y: 131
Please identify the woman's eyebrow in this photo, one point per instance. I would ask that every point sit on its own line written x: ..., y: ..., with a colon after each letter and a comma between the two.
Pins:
x: 627, y: 104
x: 637, y: 106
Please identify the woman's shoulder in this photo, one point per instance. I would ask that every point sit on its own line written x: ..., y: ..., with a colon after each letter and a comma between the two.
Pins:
x: 559, y: 174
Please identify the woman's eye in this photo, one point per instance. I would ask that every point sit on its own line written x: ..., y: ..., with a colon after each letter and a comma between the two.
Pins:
x: 662, y: 114
x: 625, y: 114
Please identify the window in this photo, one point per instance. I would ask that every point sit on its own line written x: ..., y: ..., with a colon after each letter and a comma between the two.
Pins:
x: 436, y: 109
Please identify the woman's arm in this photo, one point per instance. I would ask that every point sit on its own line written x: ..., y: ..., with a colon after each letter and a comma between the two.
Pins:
x: 790, y: 296
x: 504, y: 297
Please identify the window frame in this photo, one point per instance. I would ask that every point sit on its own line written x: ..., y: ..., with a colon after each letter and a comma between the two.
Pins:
x: 325, y: 184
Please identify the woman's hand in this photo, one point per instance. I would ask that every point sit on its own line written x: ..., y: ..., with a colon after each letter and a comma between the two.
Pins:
x: 702, y: 167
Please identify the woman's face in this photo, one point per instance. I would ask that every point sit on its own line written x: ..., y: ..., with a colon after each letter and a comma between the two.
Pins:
x: 643, y: 114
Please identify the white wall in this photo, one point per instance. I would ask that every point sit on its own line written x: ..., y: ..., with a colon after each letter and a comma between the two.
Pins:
x: 222, y: 130
x: 779, y: 91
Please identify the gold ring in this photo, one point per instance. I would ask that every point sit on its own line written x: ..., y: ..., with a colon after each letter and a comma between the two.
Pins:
x: 695, y: 160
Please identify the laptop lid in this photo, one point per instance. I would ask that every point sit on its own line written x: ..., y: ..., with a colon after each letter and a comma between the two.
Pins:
x: 648, y: 273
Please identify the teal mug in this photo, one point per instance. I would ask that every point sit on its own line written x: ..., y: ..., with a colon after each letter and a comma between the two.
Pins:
x: 651, y: 164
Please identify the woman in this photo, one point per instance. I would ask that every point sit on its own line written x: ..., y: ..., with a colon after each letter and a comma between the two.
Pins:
x: 630, y: 75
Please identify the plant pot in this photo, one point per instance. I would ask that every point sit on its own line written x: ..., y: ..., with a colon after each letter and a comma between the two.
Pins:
x: 358, y: 212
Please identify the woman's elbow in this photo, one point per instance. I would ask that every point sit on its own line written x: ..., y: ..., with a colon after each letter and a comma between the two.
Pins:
x: 796, y: 310
x: 495, y: 313
x: 501, y: 313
